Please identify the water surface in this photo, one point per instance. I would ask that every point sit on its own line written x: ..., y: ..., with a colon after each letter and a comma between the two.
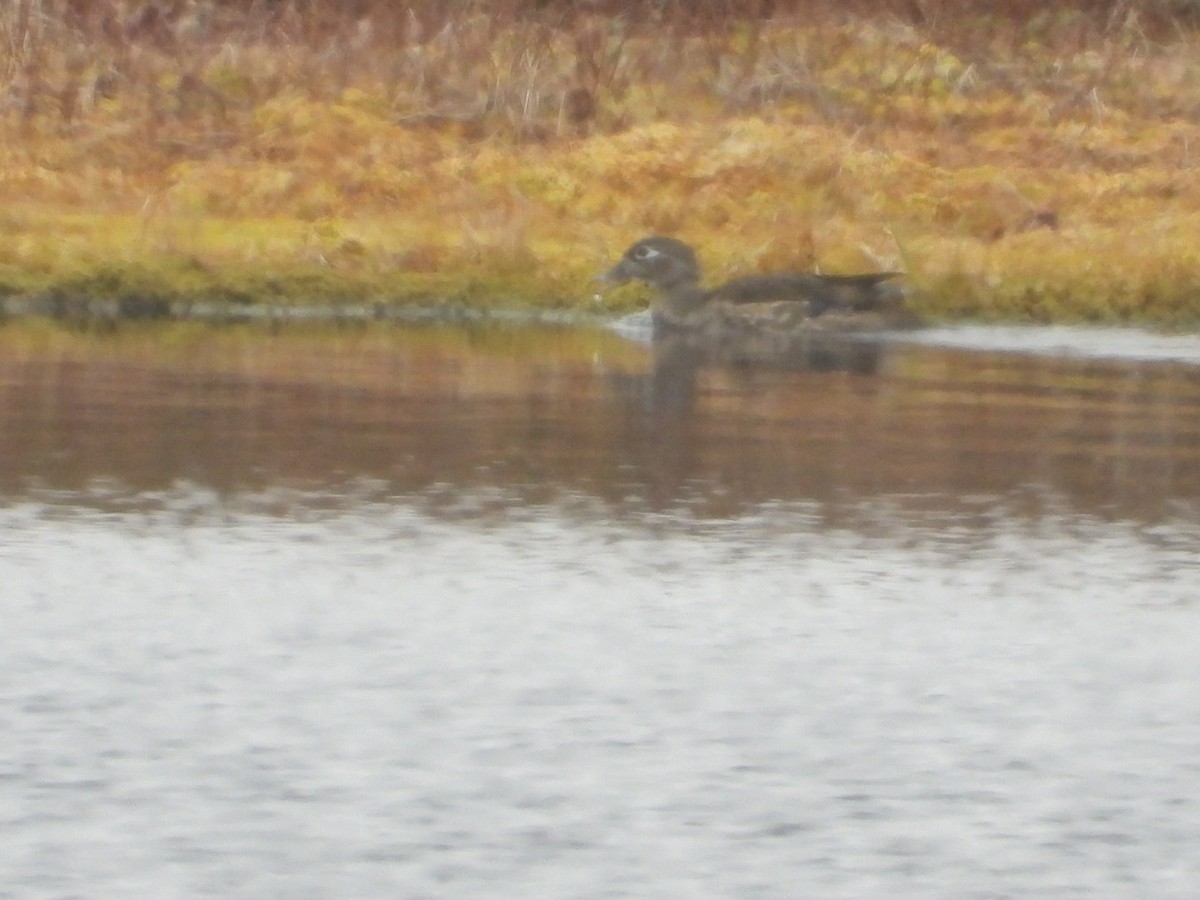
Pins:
x: 418, y: 612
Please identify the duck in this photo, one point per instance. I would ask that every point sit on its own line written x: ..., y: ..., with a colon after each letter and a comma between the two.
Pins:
x: 793, y: 302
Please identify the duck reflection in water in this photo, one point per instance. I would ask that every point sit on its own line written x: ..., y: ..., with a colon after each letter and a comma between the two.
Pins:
x: 668, y: 389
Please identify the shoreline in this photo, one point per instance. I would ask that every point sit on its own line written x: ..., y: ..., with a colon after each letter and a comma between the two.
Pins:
x: 93, y: 310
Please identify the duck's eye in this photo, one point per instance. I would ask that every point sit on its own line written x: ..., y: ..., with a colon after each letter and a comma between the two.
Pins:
x: 644, y: 252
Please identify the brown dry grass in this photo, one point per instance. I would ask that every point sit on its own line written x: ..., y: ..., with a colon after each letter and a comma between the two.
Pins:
x: 1016, y: 160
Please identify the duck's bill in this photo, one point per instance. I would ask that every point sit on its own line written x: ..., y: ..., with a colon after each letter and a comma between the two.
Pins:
x: 617, y: 275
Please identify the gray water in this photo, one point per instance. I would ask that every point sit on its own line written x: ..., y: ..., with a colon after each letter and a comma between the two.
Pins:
x: 446, y: 612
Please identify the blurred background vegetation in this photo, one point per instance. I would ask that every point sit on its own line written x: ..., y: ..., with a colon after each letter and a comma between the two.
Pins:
x: 1017, y: 159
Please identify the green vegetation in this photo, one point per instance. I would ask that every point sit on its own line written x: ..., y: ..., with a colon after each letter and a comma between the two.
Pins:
x: 1016, y: 160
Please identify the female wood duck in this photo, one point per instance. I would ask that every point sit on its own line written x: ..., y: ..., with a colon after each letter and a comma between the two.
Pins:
x: 787, y: 301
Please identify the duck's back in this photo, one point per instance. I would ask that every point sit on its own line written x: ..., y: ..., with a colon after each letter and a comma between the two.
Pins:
x: 819, y: 292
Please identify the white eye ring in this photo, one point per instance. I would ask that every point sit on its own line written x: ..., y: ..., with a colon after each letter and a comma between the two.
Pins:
x: 644, y: 253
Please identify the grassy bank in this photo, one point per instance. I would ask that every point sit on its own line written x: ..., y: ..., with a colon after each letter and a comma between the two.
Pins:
x: 1015, y: 165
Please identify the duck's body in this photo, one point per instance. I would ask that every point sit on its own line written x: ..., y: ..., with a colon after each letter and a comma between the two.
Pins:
x: 793, y: 302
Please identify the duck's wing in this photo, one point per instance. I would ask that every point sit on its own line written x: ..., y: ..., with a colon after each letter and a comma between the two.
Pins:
x: 860, y: 292
x: 766, y: 288
x: 820, y: 292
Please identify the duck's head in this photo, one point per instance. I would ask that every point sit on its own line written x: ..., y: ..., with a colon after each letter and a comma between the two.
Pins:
x: 663, y: 262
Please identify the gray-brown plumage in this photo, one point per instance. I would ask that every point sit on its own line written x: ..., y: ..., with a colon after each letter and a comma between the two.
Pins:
x: 790, y: 301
